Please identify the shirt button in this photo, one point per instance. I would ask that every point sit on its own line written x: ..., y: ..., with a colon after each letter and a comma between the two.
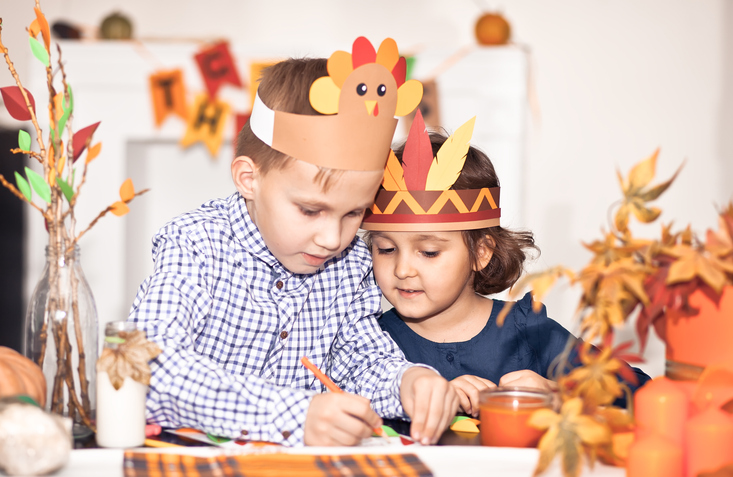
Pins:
x: 283, y: 335
x: 449, y: 357
x: 244, y: 433
x: 280, y: 285
x: 286, y: 434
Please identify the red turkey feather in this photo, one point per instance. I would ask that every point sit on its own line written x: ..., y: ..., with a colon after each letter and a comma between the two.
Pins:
x: 418, y: 154
x: 362, y: 52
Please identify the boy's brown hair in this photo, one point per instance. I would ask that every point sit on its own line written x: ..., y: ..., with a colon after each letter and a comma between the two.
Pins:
x: 284, y: 86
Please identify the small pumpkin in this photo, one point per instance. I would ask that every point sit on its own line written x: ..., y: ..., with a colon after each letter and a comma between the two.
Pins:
x: 492, y: 29
x: 21, y: 376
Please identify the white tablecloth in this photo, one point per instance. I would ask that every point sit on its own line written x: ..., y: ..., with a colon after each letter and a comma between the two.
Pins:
x: 444, y: 461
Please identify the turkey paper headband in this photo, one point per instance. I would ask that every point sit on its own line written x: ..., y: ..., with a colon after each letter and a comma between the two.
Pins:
x: 361, y: 96
x: 416, y: 195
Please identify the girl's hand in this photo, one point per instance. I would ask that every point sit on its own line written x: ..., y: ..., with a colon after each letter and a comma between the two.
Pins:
x: 430, y: 401
x: 528, y: 379
x: 468, y: 388
x: 339, y: 419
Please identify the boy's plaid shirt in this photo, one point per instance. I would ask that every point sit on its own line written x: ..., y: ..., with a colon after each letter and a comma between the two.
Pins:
x: 233, y: 325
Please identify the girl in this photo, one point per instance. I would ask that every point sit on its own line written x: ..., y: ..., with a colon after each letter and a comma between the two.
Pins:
x: 438, y: 248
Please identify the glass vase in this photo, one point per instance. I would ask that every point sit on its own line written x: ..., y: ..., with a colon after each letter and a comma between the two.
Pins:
x: 61, y: 337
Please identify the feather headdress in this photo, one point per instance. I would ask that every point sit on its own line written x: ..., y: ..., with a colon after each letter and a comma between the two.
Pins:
x: 416, y: 194
x: 360, y: 97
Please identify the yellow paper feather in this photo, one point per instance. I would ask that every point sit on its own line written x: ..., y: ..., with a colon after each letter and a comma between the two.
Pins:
x: 394, y: 175
x: 448, y: 163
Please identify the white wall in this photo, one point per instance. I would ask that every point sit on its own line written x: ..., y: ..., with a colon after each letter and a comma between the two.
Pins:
x: 614, y: 79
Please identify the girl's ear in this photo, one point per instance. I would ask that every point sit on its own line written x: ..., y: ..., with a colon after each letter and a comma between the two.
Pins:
x: 484, y: 253
x: 244, y: 171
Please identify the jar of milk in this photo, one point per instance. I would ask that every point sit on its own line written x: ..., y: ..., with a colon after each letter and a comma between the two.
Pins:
x: 120, y: 398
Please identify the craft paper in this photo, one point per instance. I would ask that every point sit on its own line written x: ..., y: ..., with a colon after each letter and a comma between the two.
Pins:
x: 43, y: 26
x: 65, y: 188
x: 418, y: 155
x: 127, y: 193
x: 93, y: 152
x: 15, y: 104
x: 168, y: 93
x: 217, y: 68
x: 465, y: 425
x: 23, y: 186
x: 39, y: 51
x: 24, y: 140
x: 356, y: 131
x: 39, y: 185
x: 206, y: 123
x: 82, y: 138
x: 255, y: 71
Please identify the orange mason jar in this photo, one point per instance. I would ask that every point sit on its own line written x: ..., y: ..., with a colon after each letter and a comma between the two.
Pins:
x: 504, y: 414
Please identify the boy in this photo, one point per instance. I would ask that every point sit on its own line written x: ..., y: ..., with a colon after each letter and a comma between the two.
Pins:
x: 245, y: 286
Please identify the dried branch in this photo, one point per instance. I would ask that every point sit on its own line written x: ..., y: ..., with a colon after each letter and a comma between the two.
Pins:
x: 33, y: 154
x: 18, y: 194
x: 102, y: 214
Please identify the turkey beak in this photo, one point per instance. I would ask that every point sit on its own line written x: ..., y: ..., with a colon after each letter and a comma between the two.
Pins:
x: 370, y: 105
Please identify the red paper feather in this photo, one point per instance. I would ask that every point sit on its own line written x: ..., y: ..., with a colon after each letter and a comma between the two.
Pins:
x: 15, y: 104
x: 400, y: 71
x: 362, y: 52
x: 80, y: 139
x: 418, y: 154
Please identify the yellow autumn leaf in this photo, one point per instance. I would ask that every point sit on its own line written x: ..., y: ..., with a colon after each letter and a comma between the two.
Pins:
x: 119, y: 208
x: 645, y: 215
x: 691, y: 263
x: 93, y: 152
x: 642, y: 173
x: 127, y: 191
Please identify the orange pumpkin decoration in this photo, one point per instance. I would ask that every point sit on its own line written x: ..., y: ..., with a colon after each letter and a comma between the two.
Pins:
x: 21, y: 376
x: 492, y: 29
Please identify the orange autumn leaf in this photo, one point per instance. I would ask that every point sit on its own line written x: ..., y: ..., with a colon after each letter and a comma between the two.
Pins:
x: 692, y: 262
x: 127, y: 191
x: 93, y: 152
x: 34, y: 29
x: 119, y: 208
x: 43, y: 26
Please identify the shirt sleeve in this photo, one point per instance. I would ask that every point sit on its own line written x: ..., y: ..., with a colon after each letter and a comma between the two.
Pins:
x: 366, y: 361
x: 188, y: 389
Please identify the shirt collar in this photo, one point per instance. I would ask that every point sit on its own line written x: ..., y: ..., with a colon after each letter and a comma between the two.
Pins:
x: 247, y: 232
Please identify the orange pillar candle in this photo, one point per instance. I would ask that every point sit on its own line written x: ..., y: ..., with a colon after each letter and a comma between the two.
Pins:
x: 709, y: 441
x: 654, y: 456
x: 504, y: 412
x: 661, y: 408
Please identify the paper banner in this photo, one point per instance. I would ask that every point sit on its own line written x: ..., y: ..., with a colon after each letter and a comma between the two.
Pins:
x: 239, y: 121
x: 217, y: 67
x: 168, y: 93
x: 206, y: 123
x: 255, y: 70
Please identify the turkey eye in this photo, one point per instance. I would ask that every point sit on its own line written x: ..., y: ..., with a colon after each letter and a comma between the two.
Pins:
x: 382, y: 90
x: 361, y: 89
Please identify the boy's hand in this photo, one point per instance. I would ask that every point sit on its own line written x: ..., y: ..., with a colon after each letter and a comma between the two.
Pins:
x: 339, y: 419
x: 468, y: 388
x: 528, y: 379
x: 430, y: 401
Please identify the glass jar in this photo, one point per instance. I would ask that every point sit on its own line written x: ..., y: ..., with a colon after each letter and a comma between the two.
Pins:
x: 61, y: 337
x: 504, y: 412
x: 120, y: 412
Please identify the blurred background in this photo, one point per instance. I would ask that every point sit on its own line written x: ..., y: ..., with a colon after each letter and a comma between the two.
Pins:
x: 581, y: 89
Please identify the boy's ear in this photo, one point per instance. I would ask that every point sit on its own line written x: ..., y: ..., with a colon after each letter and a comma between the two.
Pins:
x: 484, y: 253
x: 243, y: 173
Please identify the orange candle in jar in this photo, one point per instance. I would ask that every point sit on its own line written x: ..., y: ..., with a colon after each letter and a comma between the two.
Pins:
x: 708, y: 441
x: 504, y: 413
x: 661, y: 407
x: 654, y: 456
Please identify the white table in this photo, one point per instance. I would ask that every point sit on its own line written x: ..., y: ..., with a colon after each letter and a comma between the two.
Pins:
x: 463, y: 461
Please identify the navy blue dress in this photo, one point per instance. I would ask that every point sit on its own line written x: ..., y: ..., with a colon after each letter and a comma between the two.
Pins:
x: 527, y: 340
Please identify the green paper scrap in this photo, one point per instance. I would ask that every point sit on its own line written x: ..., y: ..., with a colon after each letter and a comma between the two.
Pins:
x: 389, y: 431
x: 62, y: 121
x: 114, y: 339
x: 409, y: 67
x: 24, y: 140
x: 65, y: 188
x: 70, y: 106
x: 23, y: 186
x: 39, y: 51
x: 39, y: 185
x: 216, y: 439
x: 28, y: 400
x: 67, y: 108
x: 457, y: 419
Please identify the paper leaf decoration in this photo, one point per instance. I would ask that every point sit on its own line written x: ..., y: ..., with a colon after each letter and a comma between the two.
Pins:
x: 43, y: 26
x: 24, y: 140
x: 61, y: 164
x: 80, y: 140
x: 65, y: 188
x: 39, y: 185
x: 418, y: 155
x: 34, y: 29
x: 127, y: 191
x: 448, y: 162
x: 39, y: 51
x: 120, y: 208
x: 23, y: 186
x: 15, y: 104
x: 93, y: 152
